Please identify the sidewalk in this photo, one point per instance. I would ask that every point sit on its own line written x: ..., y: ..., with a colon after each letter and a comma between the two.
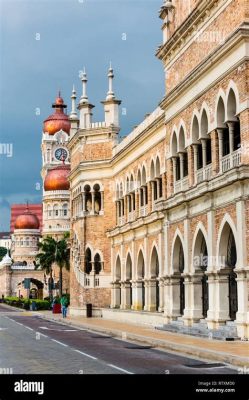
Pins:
x: 234, y: 353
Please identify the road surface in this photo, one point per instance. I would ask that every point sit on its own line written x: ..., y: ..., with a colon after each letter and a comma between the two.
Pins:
x: 32, y: 345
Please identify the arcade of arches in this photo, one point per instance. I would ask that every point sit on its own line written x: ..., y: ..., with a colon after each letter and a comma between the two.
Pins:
x: 192, y: 288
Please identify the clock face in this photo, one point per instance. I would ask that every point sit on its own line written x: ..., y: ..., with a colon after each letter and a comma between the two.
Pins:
x: 61, y: 154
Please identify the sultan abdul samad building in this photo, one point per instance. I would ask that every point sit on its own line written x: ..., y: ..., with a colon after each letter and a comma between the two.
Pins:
x: 159, y: 221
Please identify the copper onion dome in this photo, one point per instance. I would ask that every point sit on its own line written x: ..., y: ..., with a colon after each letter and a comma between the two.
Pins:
x: 27, y: 220
x: 57, y: 178
x: 58, y: 120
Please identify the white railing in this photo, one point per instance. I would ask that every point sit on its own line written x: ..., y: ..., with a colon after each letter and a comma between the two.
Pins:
x: 181, y: 185
x: 98, y: 125
x: 131, y: 216
x: 231, y: 161
x: 57, y: 229
x: 121, y: 220
x: 143, y: 211
x: 204, y: 174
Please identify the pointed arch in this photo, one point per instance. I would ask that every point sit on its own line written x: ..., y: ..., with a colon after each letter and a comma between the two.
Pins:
x: 117, y: 270
x: 152, y: 169
x: 195, y: 129
x: 157, y: 167
x: 144, y: 175
x: 173, y: 144
x: 139, y: 177
x: 220, y: 113
x: 200, y: 249
x: 128, y: 267
x: 181, y: 140
x: 232, y: 106
x: 204, y: 124
x: 226, y: 226
x: 140, y: 265
x: 154, y: 262
x: 177, y: 252
x: 88, y: 260
x: 232, y: 89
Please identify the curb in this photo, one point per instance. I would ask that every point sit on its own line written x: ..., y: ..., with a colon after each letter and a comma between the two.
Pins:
x: 187, y: 350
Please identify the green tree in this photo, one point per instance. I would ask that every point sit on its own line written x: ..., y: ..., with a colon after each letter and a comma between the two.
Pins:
x: 3, y: 252
x: 54, y: 252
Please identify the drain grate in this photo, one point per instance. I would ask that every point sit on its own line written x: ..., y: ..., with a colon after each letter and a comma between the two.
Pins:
x: 203, y: 365
x: 138, y: 347
x: 101, y: 337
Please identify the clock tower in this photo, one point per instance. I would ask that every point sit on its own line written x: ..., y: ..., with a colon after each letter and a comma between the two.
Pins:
x: 55, y: 170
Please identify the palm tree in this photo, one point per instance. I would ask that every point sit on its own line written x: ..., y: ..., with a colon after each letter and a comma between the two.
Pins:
x: 54, y: 252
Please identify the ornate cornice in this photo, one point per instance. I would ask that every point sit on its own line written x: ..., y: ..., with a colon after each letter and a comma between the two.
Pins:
x: 241, y: 33
x: 195, y: 18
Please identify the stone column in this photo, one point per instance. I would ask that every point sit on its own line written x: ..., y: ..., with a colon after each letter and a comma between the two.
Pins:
x: 137, y: 203
x: 125, y: 295
x: 244, y: 132
x: 164, y: 183
x: 242, y: 320
x: 117, y: 211
x: 150, y: 198
x: 138, y: 303
x: 211, y: 314
x: 220, y: 137
x: 167, y: 299
x: 116, y: 295
x: 181, y: 155
x: 191, y: 174
x: 193, y: 298
x: 195, y: 149
x: 174, y: 287
x: 151, y: 297
x: 93, y: 203
x: 204, y: 152
x: 161, y: 295
x: 214, y: 152
x: 174, y: 159
x: 83, y: 202
x: 231, y: 127
x: 170, y: 177
x: 102, y: 201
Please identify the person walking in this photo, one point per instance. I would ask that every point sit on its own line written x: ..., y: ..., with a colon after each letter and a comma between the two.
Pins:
x: 64, y: 304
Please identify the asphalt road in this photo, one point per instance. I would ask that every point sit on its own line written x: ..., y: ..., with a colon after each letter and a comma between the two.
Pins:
x: 33, y: 345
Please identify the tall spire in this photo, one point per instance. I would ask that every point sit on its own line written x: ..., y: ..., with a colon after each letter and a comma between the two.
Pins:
x: 73, y: 114
x: 110, y: 93
x: 84, y: 98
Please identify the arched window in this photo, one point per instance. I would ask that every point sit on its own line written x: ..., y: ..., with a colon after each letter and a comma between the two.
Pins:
x: 88, y: 261
x: 65, y: 210
x: 97, y: 263
x: 88, y: 198
x: 56, y: 210
x: 97, y: 199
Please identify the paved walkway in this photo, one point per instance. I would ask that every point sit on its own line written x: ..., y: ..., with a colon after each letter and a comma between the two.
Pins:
x: 234, y: 353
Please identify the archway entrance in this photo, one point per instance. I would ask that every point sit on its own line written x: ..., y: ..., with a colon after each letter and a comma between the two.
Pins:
x: 204, y: 279
x: 154, y: 291
x: 182, y: 288
x: 231, y: 262
x: 140, y: 274
x: 228, y: 258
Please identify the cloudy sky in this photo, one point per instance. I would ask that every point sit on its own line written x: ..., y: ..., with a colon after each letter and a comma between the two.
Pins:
x: 73, y: 34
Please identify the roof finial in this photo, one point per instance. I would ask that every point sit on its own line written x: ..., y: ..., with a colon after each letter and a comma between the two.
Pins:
x: 73, y: 113
x: 83, y: 76
x: 110, y: 93
x: 59, y: 93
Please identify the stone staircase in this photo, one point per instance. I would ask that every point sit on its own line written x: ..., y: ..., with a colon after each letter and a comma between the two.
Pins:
x: 200, y: 329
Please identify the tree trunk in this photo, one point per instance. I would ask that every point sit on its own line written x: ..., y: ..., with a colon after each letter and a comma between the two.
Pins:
x: 51, y: 285
x: 60, y: 288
